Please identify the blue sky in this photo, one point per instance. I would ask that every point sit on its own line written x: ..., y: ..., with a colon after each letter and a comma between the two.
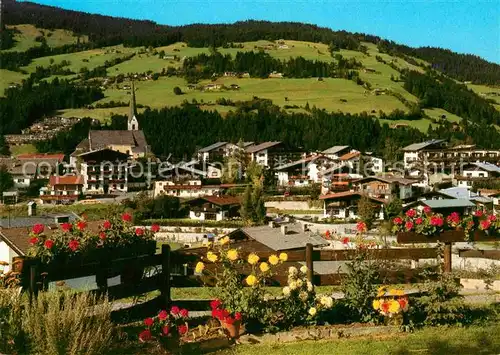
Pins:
x: 462, y: 26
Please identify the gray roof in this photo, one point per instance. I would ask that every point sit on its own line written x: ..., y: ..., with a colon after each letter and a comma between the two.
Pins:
x: 17, y: 222
x: 103, y: 139
x: 276, y: 240
x: 482, y: 199
x: 335, y: 149
x: 304, y: 161
x: 261, y: 146
x: 488, y: 167
x: 419, y: 146
x: 459, y: 202
x: 212, y: 147
x: 458, y: 192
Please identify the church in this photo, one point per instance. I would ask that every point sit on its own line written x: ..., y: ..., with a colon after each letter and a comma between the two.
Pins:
x: 131, y: 142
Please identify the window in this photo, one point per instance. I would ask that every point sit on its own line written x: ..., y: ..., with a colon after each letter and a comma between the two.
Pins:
x: 20, y: 181
x: 481, y: 174
x: 122, y: 186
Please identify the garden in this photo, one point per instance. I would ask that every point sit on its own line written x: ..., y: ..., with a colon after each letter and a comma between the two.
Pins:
x: 257, y: 300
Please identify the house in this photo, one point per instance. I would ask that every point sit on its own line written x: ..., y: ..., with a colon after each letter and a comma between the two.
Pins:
x: 266, y: 153
x: 234, y: 86
x: 230, y: 74
x: 372, y: 163
x: 446, y: 206
x: 303, y: 172
x: 481, y: 202
x: 211, y: 87
x: 62, y: 189
x: 384, y: 187
x: 477, y: 172
x: 351, y: 160
x: 245, y: 75
x: 29, y: 167
x: 214, y: 208
x: 416, y: 152
x: 336, y: 151
x: 276, y: 75
x: 213, y: 152
x: 344, y: 205
x: 185, y: 189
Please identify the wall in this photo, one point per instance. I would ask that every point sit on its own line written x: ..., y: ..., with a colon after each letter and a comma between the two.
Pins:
x: 6, y: 254
x: 289, y: 205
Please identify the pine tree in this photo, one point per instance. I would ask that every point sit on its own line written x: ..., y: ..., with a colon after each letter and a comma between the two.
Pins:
x: 247, y: 211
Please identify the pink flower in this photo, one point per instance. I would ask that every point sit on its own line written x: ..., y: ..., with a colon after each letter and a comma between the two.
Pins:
x: 453, y: 218
x: 139, y: 231
x: 80, y: 225
x: 237, y: 316
x: 484, y: 225
x: 437, y: 221
x: 38, y: 228
x: 66, y: 227
x: 409, y: 226
x: 73, y: 244
x: 427, y: 210
x: 215, y: 304
x: 492, y: 218
x: 163, y: 315
x: 411, y: 213
x: 33, y: 240
x: 345, y: 240
x: 230, y: 320
x: 184, y: 313
x: 182, y: 329
x: 148, y: 322
x: 478, y: 213
x: 126, y: 217
x: 102, y: 235
x: 145, y: 335
x: 419, y: 220
x: 106, y: 225
x: 397, y: 221
x: 175, y: 310
x: 155, y: 228
x: 165, y: 330
x: 48, y: 244
x: 361, y: 227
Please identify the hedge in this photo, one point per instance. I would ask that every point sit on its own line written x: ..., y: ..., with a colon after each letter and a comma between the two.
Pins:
x: 183, y: 222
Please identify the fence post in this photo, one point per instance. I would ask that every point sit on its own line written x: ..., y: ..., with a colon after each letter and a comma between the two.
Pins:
x: 33, y: 285
x: 447, y: 257
x: 309, y: 262
x: 101, y: 277
x: 165, y: 274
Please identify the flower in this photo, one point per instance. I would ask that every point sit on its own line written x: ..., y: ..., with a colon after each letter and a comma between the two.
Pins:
x: 215, y: 304
x: 492, y: 218
x: 394, y: 306
x: 283, y: 257
x: 182, y: 329
x: 397, y: 220
x: 303, y: 296
x: 102, y: 235
x: 165, y: 330
x: 299, y: 283
x: 478, y: 213
x: 274, y: 260
x: 139, y: 232
x: 485, y: 224
x: 80, y: 225
x: 251, y: 280
x: 253, y: 259
x: 419, y: 221
x: 303, y: 269
x: 175, y: 310
x: 381, y: 291
x: 232, y: 254
x: 403, y: 303
x: 437, y: 221
x: 411, y: 213
x: 453, y: 218
x: 427, y: 210
x: 326, y: 301
x: 409, y: 226
x: 384, y: 306
x: 293, y: 285
x: 145, y: 335
x: 106, y: 225
x: 48, y: 244
x: 212, y: 257
x: 312, y: 311
x: 237, y: 316
x: 184, y: 313
x: 73, y: 244
x: 33, y: 240
x: 148, y: 322
x: 345, y: 240
x: 264, y: 267
x: 229, y: 320
x: 376, y: 304
x: 396, y: 292
x: 66, y: 227
x: 163, y: 315
x: 155, y: 228
x: 126, y: 217
x: 199, y: 267
x: 38, y: 228
x: 292, y: 270
x: 310, y: 286
x: 361, y: 227
x: 286, y: 291
x: 224, y: 240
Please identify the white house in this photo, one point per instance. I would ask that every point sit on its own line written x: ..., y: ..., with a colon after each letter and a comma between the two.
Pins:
x: 344, y: 205
x: 412, y: 152
x: 214, y: 208
x: 477, y: 172
x: 186, y: 189
x: 336, y: 151
x: 303, y: 172
x: 264, y: 153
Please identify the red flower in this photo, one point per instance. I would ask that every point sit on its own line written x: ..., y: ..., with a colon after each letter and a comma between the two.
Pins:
x: 126, y: 217
x: 215, y: 304
x: 397, y: 220
x: 427, y: 210
x: 182, y: 329
x: 470, y: 224
x: 230, y: 320
x: 403, y: 302
x: 145, y: 335
x: 437, y: 221
x: 165, y: 330
x: 139, y: 231
x: 48, y: 244
x: 175, y: 310
x: 453, y: 218
x: 237, y: 316
x: 361, y: 227
x: 478, y: 213
x: 38, y: 228
x: 33, y: 240
x: 163, y: 315
x: 411, y: 213
x: 345, y: 240
x: 106, y: 225
x: 492, y: 218
x: 385, y: 307
x: 224, y: 314
x: 184, y: 313
x: 327, y: 233
x: 215, y: 313
x: 409, y: 226
x: 102, y: 235
x: 419, y: 220
x: 155, y: 228
x: 73, y: 244
x: 80, y: 225
x: 148, y: 322
x: 66, y: 227
x: 484, y: 225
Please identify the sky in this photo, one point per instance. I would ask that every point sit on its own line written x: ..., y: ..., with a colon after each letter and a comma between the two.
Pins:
x: 464, y: 26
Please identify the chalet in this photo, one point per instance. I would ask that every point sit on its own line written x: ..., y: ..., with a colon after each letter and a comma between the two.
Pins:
x: 29, y: 167
x: 276, y: 75
x: 214, y: 208
x: 211, y: 87
x: 62, y: 189
x: 186, y: 189
x: 344, y: 205
x: 415, y: 153
x: 384, y: 187
x: 219, y: 150
x: 303, y: 172
x: 245, y: 75
x: 477, y: 172
x: 265, y: 153
x: 336, y: 151
x: 446, y: 206
x: 230, y: 74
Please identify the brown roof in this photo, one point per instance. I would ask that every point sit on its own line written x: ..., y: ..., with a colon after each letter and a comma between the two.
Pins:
x: 343, y: 194
x: 59, y: 157
x: 219, y: 201
x: 262, y: 146
x: 387, y: 179
x: 103, y: 139
x: 66, y: 180
x: 349, y: 156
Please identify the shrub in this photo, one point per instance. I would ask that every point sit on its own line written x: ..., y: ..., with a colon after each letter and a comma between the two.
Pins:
x: 177, y: 90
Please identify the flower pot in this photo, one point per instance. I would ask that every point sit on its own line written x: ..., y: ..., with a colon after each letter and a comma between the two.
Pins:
x: 233, y: 329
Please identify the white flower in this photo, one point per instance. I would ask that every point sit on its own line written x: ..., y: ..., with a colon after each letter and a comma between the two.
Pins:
x: 309, y: 286
x: 293, y: 285
x: 303, y: 269
x: 299, y: 283
x: 303, y: 296
x: 292, y: 270
x: 327, y: 301
x: 286, y: 291
x: 312, y: 311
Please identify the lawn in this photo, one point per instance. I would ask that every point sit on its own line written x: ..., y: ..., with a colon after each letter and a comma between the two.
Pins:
x: 488, y: 92
x: 7, y: 77
x: 101, y: 114
x: 22, y: 149
x: 437, y: 113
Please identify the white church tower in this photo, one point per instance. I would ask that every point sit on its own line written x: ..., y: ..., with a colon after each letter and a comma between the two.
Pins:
x: 132, y: 123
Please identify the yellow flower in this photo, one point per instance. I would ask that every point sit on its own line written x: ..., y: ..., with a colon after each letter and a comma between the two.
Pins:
x: 199, y: 267
x: 283, y: 257
x: 212, y: 257
x: 232, y: 254
x: 251, y: 280
x: 274, y: 260
x: 253, y: 259
x: 303, y: 269
x: 224, y: 241
x: 396, y: 292
x: 381, y: 291
x: 394, y: 306
x: 376, y: 304
x: 264, y: 267
x: 312, y: 311
x: 326, y: 301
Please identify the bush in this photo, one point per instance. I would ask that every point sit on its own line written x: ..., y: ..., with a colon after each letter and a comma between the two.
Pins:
x: 177, y: 90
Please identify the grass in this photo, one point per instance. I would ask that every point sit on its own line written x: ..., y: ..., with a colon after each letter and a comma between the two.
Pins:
x: 435, y: 341
x: 22, y: 149
x: 421, y: 125
x: 93, y: 212
x: 438, y: 112
x: 8, y: 77
x: 488, y: 92
x: 101, y: 114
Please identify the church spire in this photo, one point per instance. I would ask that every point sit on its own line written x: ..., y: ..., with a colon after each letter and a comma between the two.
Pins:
x: 132, y: 124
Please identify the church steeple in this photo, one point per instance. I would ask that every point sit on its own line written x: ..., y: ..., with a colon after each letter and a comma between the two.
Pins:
x: 132, y: 124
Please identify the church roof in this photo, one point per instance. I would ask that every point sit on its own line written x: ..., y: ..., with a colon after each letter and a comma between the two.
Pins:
x: 103, y: 139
